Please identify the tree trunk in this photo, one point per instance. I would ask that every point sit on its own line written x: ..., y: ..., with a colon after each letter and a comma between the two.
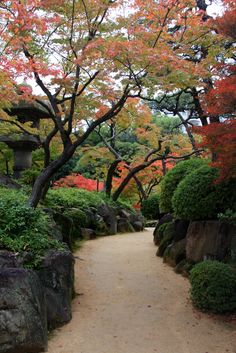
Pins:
x: 110, y: 175
x: 142, y: 193
x: 46, y: 175
x: 131, y: 174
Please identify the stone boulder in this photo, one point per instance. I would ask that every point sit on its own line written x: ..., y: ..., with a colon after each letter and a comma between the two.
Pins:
x: 180, y: 229
x: 23, y: 321
x: 8, y: 260
x: 137, y: 221
x: 167, y: 238
x: 156, y: 234
x: 175, y: 253
x: 57, y: 279
x: 124, y: 226
x: 8, y: 182
x: 109, y: 216
x: 100, y: 226
x: 209, y: 240
x: 138, y: 226
x: 88, y: 234
x: 64, y: 228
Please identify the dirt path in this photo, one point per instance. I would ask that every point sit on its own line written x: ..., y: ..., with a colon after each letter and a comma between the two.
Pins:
x: 131, y: 302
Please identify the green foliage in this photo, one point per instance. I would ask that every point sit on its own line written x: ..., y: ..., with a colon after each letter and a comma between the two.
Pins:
x: 121, y: 202
x: 72, y: 198
x: 168, y: 124
x: 29, y: 176
x: 213, y: 286
x: 228, y: 216
x: 6, y: 159
x: 127, y: 150
x: 23, y: 228
x: 173, y: 178
x: 150, y: 207
x: 198, y: 196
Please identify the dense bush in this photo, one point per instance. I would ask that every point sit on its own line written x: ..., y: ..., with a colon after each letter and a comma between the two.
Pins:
x: 72, y: 197
x: 213, y: 286
x: 198, y: 196
x: 173, y: 178
x: 150, y: 207
x: 23, y: 228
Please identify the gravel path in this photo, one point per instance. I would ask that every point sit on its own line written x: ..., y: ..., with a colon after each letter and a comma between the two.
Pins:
x: 130, y: 302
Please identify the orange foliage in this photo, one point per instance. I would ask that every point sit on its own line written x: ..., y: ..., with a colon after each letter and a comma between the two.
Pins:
x: 220, y: 139
x: 78, y: 181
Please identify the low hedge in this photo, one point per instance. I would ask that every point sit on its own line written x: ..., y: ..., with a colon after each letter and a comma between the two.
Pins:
x: 213, y: 287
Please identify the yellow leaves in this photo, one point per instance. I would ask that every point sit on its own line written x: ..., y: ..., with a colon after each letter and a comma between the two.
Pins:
x: 10, y: 125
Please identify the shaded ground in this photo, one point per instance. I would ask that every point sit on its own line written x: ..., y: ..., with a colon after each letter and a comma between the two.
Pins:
x: 130, y: 302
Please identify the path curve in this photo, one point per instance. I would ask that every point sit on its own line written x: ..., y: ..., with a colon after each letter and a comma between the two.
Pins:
x: 130, y: 302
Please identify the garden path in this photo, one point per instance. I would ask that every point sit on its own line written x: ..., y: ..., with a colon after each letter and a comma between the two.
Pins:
x: 130, y: 302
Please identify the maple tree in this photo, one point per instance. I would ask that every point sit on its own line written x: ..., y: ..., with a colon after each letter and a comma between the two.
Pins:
x: 131, y: 167
x: 220, y: 100
x: 90, y: 57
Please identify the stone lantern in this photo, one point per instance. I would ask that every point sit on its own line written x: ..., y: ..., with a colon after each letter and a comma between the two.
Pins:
x: 23, y: 144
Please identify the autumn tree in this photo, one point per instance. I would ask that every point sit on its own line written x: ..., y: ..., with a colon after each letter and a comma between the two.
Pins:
x: 220, y: 101
x: 151, y: 151
x: 89, y: 57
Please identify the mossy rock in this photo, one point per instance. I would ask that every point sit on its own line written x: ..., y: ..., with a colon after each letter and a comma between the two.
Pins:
x: 79, y: 220
x: 66, y: 225
x: 160, y: 227
x: 175, y: 253
x: 101, y: 228
x: 78, y: 216
x: 168, y: 236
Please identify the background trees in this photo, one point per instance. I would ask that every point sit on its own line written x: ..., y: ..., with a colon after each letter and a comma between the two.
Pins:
x: 88, y: 60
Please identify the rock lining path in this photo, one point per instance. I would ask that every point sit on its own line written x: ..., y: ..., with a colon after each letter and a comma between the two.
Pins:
x: 130, y: 302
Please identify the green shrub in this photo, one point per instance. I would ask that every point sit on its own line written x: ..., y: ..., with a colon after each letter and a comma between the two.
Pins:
x: 150, y: 207
x: 213, y: 287
x: 72, y: 198
x: 173, y: 178
x: 23, y: 228
x: 198, y: 196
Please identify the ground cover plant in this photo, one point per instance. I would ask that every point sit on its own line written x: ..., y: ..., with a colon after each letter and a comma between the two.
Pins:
x: 72, y: 197
x: 24, y: 229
